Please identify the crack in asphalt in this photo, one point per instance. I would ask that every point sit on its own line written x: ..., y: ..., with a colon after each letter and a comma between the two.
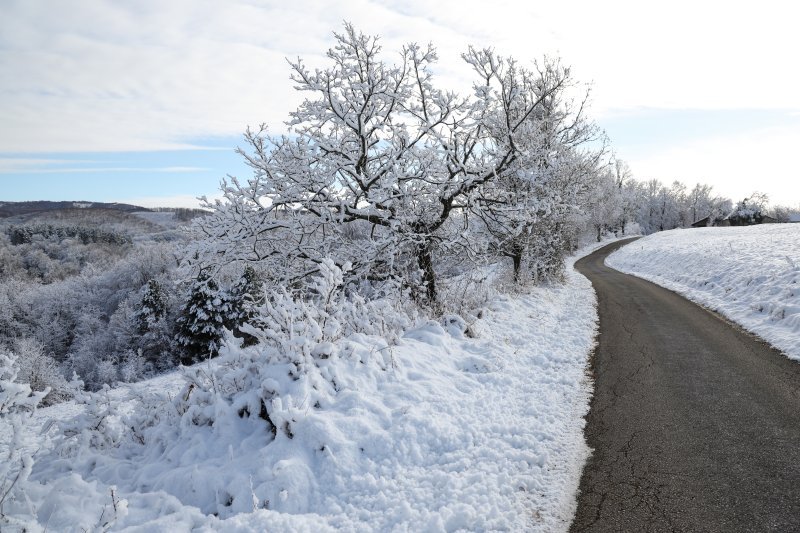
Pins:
x: 694, y: 423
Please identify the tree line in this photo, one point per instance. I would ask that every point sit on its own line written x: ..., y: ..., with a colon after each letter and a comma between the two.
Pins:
x: 24, y: 234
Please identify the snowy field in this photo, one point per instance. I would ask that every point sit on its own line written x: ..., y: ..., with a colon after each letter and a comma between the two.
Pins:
x: 457, y: 427
x: 749, y: 274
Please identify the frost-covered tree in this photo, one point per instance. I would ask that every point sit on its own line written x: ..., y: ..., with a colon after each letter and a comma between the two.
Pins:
x: 785, y: 213
x: 246, y: 296
x: 751, y: 210
x: 655, y: 207
x: 202, y: 320
x: 654, y: 200
x: 153, y: 306
x: 378, y: 161
x: 699, y: 200
x: 604, y: 209
x: 523, y: 210
x: 629, y: 192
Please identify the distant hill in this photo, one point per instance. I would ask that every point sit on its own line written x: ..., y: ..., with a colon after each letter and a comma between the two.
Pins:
x: 10, y: 209
x: 140, y: 223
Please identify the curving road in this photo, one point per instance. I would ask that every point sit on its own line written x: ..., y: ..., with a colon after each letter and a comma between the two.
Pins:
x: 695, y: 424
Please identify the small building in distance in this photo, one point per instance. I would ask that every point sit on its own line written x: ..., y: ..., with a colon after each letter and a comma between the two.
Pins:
x: 709, y: 222
x: 736, y: 221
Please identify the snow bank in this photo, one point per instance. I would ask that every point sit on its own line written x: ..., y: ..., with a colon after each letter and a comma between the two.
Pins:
x: 749, y: 274
x: 458, y: 426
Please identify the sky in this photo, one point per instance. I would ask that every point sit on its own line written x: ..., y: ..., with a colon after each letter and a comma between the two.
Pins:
x: 145, y: 102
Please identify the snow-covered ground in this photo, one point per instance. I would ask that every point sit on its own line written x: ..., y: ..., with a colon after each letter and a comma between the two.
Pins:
x: 444, y: 431
x: 749, y: 274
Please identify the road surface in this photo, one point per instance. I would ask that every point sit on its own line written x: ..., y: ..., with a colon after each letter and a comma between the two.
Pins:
x: 695, y: 424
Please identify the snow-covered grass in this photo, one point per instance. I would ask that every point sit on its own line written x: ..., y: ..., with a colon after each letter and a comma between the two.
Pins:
x: 457, y: 427
x: 749, y: 274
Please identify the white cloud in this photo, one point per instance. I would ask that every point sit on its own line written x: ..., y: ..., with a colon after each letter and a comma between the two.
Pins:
x: 99, y: 75
x: 51, y: 166
x: 9, y: 165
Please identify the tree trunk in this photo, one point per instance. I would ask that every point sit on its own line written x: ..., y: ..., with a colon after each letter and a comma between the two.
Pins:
x: 517, y: 259
x: 425, y: 262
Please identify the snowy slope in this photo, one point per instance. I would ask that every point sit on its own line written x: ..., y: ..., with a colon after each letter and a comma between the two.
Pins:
x: 456, y: 432
x: 749, y: 274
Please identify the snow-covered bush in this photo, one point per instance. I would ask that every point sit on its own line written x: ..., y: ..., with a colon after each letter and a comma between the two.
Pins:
x: 40, y: 371
x: 255, y: 407
x: 464, y: 294
x: 16, y: 397
x: 134, y: 366
x: 96, y: 428
x: 298, y: 323
x: 17, y: 401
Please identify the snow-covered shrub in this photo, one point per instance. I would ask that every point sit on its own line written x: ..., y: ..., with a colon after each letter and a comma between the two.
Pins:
x: 297, y: 323
x: 107, y: 372
x: 16, y: 397
x: 40, y: 371
x: 98, y: 427
x: 134, y: 366
x: 466, y: 293
x: 255, y: 406
x: 17, y: 401
x: 544, y: 259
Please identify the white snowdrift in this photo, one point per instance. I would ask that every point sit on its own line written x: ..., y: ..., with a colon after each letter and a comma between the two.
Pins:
x: 749, y: 274
x: 442, y: 432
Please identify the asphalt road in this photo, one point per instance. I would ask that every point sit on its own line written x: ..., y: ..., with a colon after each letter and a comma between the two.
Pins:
x: 695, y: 424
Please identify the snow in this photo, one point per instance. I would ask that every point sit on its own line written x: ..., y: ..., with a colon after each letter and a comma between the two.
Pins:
x: 750, y: 274
x: 461, y: 425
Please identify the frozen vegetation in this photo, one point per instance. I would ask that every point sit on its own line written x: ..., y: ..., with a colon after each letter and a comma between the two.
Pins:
x: 454, y: 425
x: 749, y: 274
